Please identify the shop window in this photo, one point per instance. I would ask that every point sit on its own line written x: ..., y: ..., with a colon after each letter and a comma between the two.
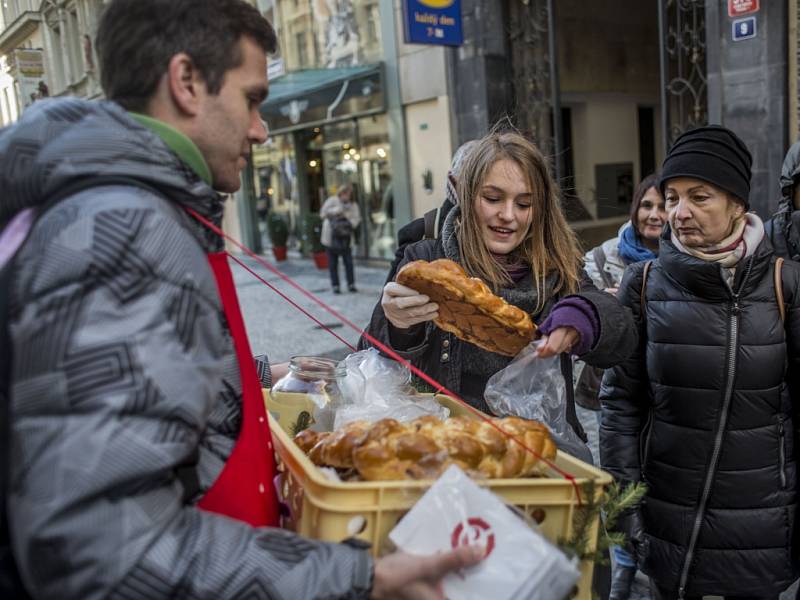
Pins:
x: 375, y: 178
x: 647, y: 141
x: 6, y: 108
x: 302, y: 52
x: 614, y: 183
x: 275, y: 181
x: 74, y: 46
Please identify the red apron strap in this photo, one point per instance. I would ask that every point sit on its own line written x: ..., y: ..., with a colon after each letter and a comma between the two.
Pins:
x: 244, y: 489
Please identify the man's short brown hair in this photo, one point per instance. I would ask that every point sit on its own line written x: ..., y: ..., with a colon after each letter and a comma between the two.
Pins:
x: 137, y: 38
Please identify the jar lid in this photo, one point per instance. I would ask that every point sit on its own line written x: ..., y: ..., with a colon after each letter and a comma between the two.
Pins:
x: 316, y: 367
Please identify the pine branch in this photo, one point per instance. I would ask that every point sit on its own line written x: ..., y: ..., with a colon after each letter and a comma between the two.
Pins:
x: 613, y: 502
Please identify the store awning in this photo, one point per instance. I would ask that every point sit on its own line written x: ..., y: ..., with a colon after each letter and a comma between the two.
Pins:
x: 301, y: 98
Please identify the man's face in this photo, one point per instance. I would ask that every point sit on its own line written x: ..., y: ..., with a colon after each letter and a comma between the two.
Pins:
x: 230, y: 122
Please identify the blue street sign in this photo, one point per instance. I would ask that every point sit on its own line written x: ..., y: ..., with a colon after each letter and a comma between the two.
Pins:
x: 433, y: 22
x: 744, y: 29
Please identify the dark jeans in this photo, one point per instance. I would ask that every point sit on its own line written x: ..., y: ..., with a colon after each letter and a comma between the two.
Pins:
x: 333, y: 265
x: 659, y: 594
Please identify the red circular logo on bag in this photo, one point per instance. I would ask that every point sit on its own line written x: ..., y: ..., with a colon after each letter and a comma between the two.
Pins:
x: 473, y: 531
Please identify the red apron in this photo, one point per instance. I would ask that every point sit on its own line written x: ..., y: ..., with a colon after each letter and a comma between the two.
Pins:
x: 244, y: 488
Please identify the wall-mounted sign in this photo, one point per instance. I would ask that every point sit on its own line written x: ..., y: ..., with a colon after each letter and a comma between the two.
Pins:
x: 744, y: 29
x: 275, y: 68
x: 433, y: 22
x: 27, y: 65
x: 737, y: 8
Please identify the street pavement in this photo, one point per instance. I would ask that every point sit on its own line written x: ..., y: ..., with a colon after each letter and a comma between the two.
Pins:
x: 280, y: 330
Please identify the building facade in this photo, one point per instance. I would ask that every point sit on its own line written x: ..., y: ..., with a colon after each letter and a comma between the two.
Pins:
x: 627, y: 78
x: 350, y: 103
x: 46, y: 49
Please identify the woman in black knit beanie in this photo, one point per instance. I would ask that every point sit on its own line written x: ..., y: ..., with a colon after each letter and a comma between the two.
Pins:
x: 704, y: 412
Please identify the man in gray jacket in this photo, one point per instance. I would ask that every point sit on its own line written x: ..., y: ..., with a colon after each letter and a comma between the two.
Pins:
x: 124, y: 371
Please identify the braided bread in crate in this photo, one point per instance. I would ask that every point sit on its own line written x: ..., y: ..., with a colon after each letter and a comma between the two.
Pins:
x: 422, y: 449
x: 468, y: 308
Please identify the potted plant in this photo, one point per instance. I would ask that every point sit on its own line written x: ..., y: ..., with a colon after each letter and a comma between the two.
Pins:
x: 312, y: 237
x: 278, y: 235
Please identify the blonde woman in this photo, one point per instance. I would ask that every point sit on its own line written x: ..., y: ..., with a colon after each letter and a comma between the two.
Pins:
x: 509, y: 230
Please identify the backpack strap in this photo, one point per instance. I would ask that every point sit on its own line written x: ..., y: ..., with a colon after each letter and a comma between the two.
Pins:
x: 565, y: 362
x: 643, y: 294
x: 779, y: 289
x: 431, y: 219
x: 599, y: 256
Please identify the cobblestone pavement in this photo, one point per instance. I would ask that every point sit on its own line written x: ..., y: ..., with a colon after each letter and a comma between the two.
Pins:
x: 281, y: 331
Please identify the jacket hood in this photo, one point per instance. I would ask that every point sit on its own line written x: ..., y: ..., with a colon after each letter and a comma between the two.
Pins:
x: 58, y: 142
x: 790, y: 174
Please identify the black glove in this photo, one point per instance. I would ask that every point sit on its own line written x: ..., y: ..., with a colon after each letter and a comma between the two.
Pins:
x: 631, y: 523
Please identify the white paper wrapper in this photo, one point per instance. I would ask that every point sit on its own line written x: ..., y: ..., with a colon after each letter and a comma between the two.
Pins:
x: 520, y: 563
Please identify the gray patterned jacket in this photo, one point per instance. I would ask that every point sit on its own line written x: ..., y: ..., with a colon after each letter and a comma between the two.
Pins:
x: 123, y: 367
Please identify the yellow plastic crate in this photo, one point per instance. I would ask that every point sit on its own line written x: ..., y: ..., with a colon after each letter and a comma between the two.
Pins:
x: 333, y: 511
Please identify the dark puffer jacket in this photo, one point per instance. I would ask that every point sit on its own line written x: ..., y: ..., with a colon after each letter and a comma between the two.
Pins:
x: 705, y: 413
x: 465, y: 368
x: 783, y: 229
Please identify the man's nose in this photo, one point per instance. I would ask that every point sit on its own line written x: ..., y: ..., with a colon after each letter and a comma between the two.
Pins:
x: 259, y: 131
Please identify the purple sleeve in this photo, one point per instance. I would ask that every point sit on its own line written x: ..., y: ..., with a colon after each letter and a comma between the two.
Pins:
x: 581, y: 315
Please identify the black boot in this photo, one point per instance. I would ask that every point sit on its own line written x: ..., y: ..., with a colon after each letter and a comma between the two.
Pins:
x: 622, y: 582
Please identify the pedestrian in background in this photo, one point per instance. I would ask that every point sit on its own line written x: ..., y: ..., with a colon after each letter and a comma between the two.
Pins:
x: 704, y: 410
x: 783, y: 229
x: 637, y: 241
x: 340, y: 216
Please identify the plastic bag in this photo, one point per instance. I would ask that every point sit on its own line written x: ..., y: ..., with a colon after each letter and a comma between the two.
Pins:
x: 519, y: 562
x: 375, y: 387
x: 534, y: 388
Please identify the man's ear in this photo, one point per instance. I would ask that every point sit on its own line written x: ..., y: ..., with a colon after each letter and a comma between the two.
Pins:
x: 185, y: 84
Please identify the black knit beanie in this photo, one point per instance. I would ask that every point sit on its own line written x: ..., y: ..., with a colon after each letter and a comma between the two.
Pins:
x: 714, y: 154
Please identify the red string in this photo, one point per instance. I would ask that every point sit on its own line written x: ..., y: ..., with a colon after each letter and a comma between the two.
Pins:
x: 293, y: 303
x: 377, y: 343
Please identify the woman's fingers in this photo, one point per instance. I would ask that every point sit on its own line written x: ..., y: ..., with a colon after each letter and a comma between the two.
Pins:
x: 411, y: 301
x: 560, y: 340
x: 395, y: 289
x: 405, y: 307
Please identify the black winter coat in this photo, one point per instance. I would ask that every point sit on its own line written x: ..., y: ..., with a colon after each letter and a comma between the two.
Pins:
x: 705, y: 412
x: 783, y: 229
x: 450, y: 361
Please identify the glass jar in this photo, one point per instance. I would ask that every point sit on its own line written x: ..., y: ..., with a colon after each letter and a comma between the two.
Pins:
x: 312, y: 387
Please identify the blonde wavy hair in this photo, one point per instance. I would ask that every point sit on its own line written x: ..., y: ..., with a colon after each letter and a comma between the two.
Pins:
x: 549, y: 246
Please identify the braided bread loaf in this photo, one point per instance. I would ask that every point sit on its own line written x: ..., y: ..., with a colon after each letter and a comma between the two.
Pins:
x: 424, y: 448
x: 468, y: 308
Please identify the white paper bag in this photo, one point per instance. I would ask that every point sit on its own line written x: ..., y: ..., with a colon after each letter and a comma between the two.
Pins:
x: 519, y: 562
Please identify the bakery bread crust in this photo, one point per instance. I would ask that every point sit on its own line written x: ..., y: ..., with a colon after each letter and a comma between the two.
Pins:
x: 468, y: 308
x: 422, y: 449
